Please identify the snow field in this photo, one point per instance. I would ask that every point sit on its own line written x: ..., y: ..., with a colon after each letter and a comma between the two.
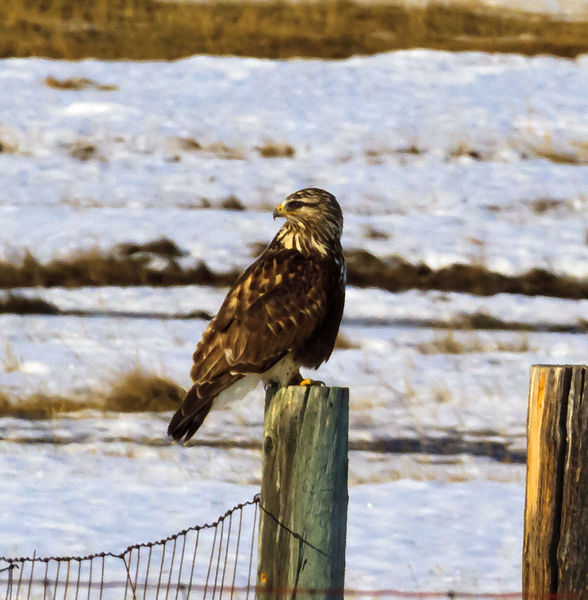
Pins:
x: 436, y: 157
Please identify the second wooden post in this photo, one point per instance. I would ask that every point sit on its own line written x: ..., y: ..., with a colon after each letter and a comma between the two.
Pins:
x: 555, y: 552
x: 303, y: 517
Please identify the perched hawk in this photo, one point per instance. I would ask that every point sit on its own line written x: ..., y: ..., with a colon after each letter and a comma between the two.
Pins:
x: 283, y: 312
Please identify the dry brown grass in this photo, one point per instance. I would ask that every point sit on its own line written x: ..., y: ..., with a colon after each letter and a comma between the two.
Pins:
x: 37, y: 406
x: 464, y: 150
x: 148, y: 29
x: 224, y: 152
x: 8, y: 147
x: 94, y: 268
x: 163, y: 247
x: 543, y: 205
x: 449, y: 344
x: 12, y: 361
x: 218, y: 149
x: 232, y: 203
x: 76, y: 84
x: 545, y: 149
x: 83, y: 150
x: 257, y: 248
x: 579, y: 156
x: 271, y: 150
x: 136, y: 391
x: 396, y: 274
x: 22, y: 305
x: 375, y: 234
x: 345, y: 343
x: 375, y: 156
x: 188, y: 144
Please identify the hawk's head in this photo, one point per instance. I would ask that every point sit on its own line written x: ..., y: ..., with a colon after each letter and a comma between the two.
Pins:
x: 314, y: 215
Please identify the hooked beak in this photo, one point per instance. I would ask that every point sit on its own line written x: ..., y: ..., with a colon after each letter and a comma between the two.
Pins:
x: 278, y: 212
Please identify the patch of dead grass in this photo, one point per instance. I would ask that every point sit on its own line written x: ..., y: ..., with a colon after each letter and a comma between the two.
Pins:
x: 163, y: 247
x: 224, y: 152
x: 396, y: 274
x: 543, y: 205
x: 218, y: 149
x: 581, y: 150
x: 547, y: 148
x: 143, y: 392
x: 22, y: 305
x: 94, y: 268
x: 449, y: 344
x: 375, y: 156
x: 343, y: 342
x: 188, y: 144
x: 37, y: 407
x: 561, y: 157
x: 232, y: 203
x: 463, y: 150
x: 412, y: 149
x: 82, y: 150
x: 133, y: 267
x: 8, y: 147
x: 257, y: 248
x: 12, y: 361
x: 77, y: 84
x: 148, y: 29
x: 480, y: 320
x: 136, y: 391
x: 271, y: 150
x: 375, y: 234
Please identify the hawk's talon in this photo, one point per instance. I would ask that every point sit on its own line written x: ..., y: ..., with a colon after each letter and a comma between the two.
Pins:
x: 312, y: 382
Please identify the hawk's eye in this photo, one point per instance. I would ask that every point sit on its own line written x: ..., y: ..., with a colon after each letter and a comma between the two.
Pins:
x: 295, y: 205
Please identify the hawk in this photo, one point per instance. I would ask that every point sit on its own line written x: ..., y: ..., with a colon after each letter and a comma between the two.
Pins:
x: 282, y: 313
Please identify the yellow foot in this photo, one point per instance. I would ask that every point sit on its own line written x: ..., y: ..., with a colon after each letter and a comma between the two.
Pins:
x: 312, y: 382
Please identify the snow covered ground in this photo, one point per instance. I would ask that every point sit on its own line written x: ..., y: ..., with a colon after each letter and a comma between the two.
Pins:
x: 404, y: 378
x: 434, y: 156
x: 353, y: 125
x: 400, y: 532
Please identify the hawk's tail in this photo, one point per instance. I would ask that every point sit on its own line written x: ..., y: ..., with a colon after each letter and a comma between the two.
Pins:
x: 189, y: 416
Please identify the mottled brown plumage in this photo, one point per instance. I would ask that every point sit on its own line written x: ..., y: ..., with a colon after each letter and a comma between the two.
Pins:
x: 283, y: 312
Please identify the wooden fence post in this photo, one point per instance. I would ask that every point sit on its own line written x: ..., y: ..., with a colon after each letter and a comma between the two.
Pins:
x: 303, y: 513
x: 555, y: 545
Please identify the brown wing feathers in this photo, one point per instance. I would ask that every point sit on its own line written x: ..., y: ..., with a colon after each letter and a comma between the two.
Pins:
x: 277, y: 305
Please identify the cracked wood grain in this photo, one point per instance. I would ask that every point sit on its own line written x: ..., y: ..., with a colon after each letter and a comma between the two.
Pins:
x: 304, y: 493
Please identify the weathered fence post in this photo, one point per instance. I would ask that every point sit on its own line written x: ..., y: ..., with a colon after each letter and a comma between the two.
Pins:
x: 303, y: 516
x: 555, y: 552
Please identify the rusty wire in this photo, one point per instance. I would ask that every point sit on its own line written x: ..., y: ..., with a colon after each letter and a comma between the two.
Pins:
x: 202, y: 561
x: 158, y: 570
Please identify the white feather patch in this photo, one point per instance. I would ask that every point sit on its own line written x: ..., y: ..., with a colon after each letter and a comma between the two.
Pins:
x: 237, y: 391
x: 282, y: 372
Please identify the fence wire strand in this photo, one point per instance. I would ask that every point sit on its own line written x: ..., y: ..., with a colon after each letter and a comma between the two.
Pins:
x: 203, y: 561
x: 160, y: 570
